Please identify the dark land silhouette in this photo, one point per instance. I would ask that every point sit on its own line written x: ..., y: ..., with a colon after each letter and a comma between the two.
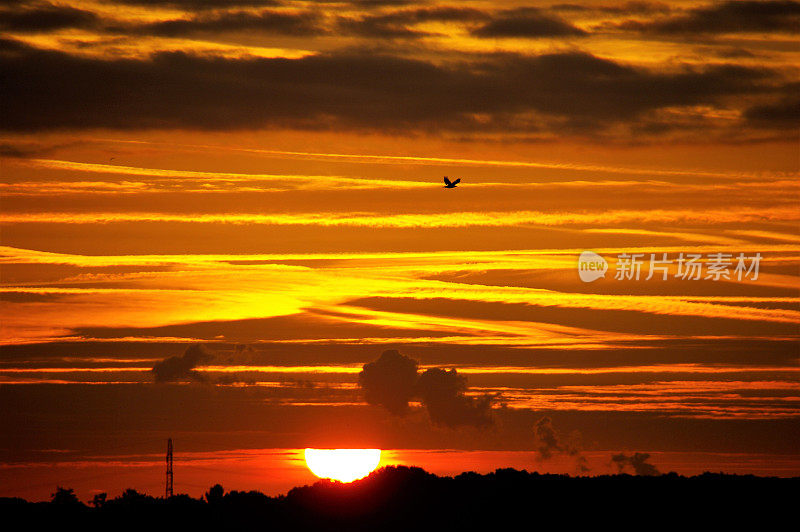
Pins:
x: 408, y: 498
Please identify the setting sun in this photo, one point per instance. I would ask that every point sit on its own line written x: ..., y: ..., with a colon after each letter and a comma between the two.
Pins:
x: 345, y: 465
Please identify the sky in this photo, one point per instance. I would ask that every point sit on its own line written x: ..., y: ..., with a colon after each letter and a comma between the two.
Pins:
x: 247, y: 196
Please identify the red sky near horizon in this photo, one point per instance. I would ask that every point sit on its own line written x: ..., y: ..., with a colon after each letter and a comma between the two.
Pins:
x: 265, y: 178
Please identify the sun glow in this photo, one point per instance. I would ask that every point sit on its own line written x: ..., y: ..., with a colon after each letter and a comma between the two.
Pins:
x: 345, y: 465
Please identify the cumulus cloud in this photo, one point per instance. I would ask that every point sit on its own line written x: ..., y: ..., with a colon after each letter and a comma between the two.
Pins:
x: 393, y: 380
x: 637, y: 461
x: 442, y: 393
x: 182, y: 367
x: 389, y: 381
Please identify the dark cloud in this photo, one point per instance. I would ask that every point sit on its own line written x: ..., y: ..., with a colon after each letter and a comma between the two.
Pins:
x: 731, y: 52
x: 301, y: 23
x: 783, y: 114
x: 442, y: 14
x: 382, y: 3
x: 632, y: 8
x: 195, y: 5
x: 181, y: 367
x: 560, y: 92
x: 526, y: 22
x: 392, y: 381
x: 550, y: 442
x: 11, y: 150
x: 377, y: 4
x: 442, y: 393
x: 427, y: 14
x: 726, y: 17
x: 637, y: 461
x: 28, y: 149
x: 389, y: 381
x: 45, y: 17
x: 220, y: 16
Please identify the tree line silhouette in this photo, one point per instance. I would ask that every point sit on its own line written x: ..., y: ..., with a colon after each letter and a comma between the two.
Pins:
x: 409, y: 498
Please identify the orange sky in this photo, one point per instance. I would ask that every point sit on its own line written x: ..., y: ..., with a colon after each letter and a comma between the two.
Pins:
x: 265, y: 178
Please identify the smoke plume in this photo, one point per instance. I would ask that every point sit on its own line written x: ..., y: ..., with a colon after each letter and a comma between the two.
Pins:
x: 182, y: 367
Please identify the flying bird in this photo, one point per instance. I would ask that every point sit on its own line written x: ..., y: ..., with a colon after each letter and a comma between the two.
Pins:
x: 451, y: 184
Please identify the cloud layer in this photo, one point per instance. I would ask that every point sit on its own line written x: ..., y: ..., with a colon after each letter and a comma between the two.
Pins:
x: 373, y: 75
x: 571, y: 92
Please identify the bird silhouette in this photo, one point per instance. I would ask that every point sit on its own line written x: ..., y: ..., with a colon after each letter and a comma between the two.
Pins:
x: 451, y: 184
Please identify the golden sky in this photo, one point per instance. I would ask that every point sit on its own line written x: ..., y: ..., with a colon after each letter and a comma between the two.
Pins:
x: 264, y: 177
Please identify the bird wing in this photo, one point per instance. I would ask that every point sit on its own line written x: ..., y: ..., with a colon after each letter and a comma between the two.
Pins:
x: 457, y: 181
x: 447, y: 181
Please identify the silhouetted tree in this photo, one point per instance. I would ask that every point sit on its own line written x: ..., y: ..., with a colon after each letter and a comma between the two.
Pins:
x: 99, y: 499
x: 65, y: 496
x: 215, y: 494
x: 405, y: 498
x: 130, y: 497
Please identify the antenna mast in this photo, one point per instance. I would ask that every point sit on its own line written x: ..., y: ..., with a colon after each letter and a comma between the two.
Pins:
x: 169, y: 468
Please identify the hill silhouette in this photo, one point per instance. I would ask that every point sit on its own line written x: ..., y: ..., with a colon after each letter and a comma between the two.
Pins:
x: 408, y: 498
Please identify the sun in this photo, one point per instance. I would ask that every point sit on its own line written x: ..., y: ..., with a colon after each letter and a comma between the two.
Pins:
x: 344, y: 465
